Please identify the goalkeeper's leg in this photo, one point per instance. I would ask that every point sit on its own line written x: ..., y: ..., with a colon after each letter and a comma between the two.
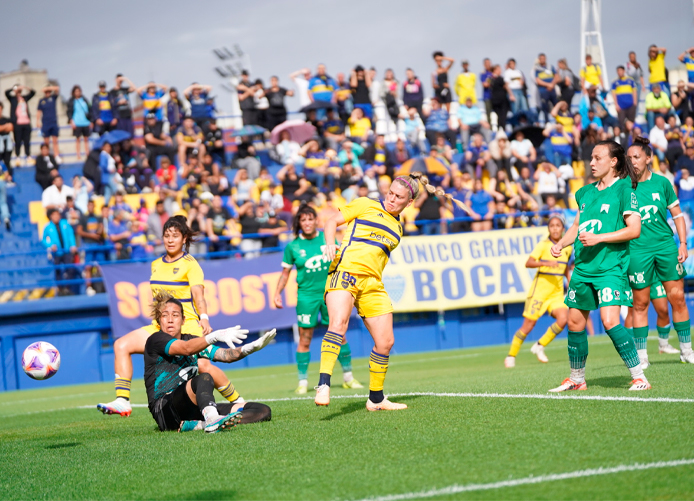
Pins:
x: 252, y: 412
x: 200, y: 391
x: 221, y: 381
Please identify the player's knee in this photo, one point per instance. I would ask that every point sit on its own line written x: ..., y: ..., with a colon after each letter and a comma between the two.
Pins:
x: 120, y: 346
x: 676, y: 298
x: 202, y: 381
x: 640, y: 307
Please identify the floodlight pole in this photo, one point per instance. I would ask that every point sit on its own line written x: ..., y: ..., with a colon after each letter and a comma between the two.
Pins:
x: 591, y: 37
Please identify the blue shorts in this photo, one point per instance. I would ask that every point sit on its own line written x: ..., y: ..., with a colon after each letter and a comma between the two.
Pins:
x: 49, y: 130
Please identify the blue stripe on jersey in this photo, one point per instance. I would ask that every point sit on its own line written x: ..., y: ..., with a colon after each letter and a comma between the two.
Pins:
x: 166, y: 350
x: 545, y: 273
x: 187, y: 301
x: 161, y: 282
x: 381, y: 246
x: 342, y: 254
x: 397, y: 218
x: 379, y: 226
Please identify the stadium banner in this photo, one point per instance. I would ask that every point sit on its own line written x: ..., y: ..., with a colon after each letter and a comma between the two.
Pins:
x: 463, y: 270
x: 237, y: 292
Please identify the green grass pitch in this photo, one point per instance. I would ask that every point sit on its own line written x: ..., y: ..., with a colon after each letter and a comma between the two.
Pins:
x: 52, y: 449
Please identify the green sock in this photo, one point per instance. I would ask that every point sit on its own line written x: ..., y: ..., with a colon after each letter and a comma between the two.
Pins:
x: 345, y: 358
x: 640, y: 337
x: 578, y: 349
x: 630, y: 331
x: 624, y: 344
x: 683, y: 331
x: 663, y: 332
x: 302, y: 360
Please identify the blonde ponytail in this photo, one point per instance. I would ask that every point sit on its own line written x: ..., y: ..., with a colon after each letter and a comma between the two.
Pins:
x: 412, y: 182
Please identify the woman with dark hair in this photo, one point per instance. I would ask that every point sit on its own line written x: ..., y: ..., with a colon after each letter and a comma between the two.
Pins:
x: 178, y: 273
x: 654, y: 257
x: 501, y: 95
x: 608, y: 219
x: 78, y: 113
x: 306, y: 253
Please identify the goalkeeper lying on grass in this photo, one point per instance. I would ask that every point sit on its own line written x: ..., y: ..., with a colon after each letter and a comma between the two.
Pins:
x: 180, y: 398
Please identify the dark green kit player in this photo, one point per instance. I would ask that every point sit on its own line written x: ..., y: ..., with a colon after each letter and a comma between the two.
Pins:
x: 655, y: 256
x: 608, y: 218
x: 306, y: 253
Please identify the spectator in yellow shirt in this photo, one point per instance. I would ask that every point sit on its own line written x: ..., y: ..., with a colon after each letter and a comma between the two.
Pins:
x: 591, y: 74
x: 359, y: 126
x: 465, y: 85
x: 656, y: 68
x: 657, y: 105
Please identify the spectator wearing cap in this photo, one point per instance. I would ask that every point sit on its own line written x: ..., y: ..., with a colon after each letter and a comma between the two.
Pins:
x: 686, y: 161
x: 471, y: 121
x: 465, y: 84
x: 46, y: 167
x: 120, y: 97
x: 437, y: 123
x: 151, y: 96
x: 189, y: 138
x: 197, y: 97
x: 246, y: 91
x: 624, y: 95
x: 360, y: 84
x: 174, y: 110
x: 59, y: 240
x: 47, y: 117
x: 103, y: 115
x: 20, y: 117
x: 78, y: 116
x: 657, y: 105
x: 157, y: 142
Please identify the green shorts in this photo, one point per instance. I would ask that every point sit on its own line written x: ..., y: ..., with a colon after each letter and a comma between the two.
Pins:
x: 657, y: 291
x: 660, y: 266
x: 307, y: 307
x: 591, y: 294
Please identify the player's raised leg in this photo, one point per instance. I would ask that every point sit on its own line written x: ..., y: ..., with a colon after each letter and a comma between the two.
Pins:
x: 124, y: 347
x: 340, y: 304
x: 381, y: 330
x: 680, y: 318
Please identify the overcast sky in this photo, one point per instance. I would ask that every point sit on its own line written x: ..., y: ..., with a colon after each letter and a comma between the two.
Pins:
x: 171, y: 42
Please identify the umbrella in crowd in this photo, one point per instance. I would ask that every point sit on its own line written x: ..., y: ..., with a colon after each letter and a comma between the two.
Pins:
x: 317, y: 105
x: 248, y: 130
x: 427, y: 165
x: 531, y: 132
x: 112, y: 137
x: 299, y: 131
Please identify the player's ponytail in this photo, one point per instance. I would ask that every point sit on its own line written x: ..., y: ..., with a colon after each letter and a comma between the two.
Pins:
x: 417, y: 179
x: 624, y: 167
x: 180, y: 223
x: 304, y: 208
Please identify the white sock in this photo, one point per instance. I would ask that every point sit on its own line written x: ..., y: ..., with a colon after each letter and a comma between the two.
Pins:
x: 637, y: 372
x: 303, y: 382
x: 578, y: 375
x: 662, y: 342
x: 210, y: 413
x: 123, y: 399
x: 643, y: 354
x: 686, y: 347
x: 347, y: 376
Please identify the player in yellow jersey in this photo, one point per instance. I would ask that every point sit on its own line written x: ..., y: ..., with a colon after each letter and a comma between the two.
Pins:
x: 180, y: 275
x: 546, y: 295
x: 355, y: 279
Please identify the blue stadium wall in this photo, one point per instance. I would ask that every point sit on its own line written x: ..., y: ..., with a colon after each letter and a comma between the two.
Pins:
x: 81, y: 330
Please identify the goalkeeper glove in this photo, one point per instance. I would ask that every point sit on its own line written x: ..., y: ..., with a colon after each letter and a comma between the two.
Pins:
x: 259, y: 343
x: 228, y: 336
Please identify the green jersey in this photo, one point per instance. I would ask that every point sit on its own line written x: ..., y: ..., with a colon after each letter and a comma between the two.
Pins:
x: 311, y: 266
x: 603, y: 211
x: 655, y: 195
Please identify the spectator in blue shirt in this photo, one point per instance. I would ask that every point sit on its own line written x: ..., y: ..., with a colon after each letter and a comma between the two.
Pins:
x: 437, y: 123
x: 47, y: 117
x: 151, y: 95
x: 322, y: 87
x: 471, y: 121
x: 458, y: 192
x: 482, y: 206
x: 197, y: 97
x: 624, y: 95
x: 546, y: 80
x: 486, y: 80
x: 174, y: 111
x: 78, y: 116
x: 102, y: 111
x: 59, y: 240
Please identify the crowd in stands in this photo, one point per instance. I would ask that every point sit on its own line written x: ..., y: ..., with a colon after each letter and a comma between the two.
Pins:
x: 511, y: 163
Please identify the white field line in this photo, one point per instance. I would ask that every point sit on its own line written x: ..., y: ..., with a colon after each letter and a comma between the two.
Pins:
x: 592, y: 472
x: 57, y: 397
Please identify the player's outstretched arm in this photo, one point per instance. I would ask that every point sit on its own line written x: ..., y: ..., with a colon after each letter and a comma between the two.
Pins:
x: 568, y: 238
x: 230, y: 336
x: 235, y: 354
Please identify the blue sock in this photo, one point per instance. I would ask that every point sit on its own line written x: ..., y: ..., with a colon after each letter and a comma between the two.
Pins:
x: 324, y: 379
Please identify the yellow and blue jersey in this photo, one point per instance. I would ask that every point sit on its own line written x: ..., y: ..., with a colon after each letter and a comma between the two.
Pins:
x: 177, y: 278
x: 546, y: 74
x: 560, y: 144
x: 372, y: 234
x: 152, y: 103
x: 549, y: 280
x: 322, y: 87
x: 567, y: 120
x: 689, y: 63
x: 624, y: 91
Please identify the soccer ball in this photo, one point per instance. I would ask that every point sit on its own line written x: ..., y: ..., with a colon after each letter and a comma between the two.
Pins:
x: 40, y: 360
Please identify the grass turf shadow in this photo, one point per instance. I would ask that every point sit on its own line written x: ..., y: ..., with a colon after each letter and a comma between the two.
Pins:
x: 63, y: 446
x: 212, y: 495
x: 622, y: 382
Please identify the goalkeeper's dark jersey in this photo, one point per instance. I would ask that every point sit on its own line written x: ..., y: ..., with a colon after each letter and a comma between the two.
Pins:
x: 164, y: 372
